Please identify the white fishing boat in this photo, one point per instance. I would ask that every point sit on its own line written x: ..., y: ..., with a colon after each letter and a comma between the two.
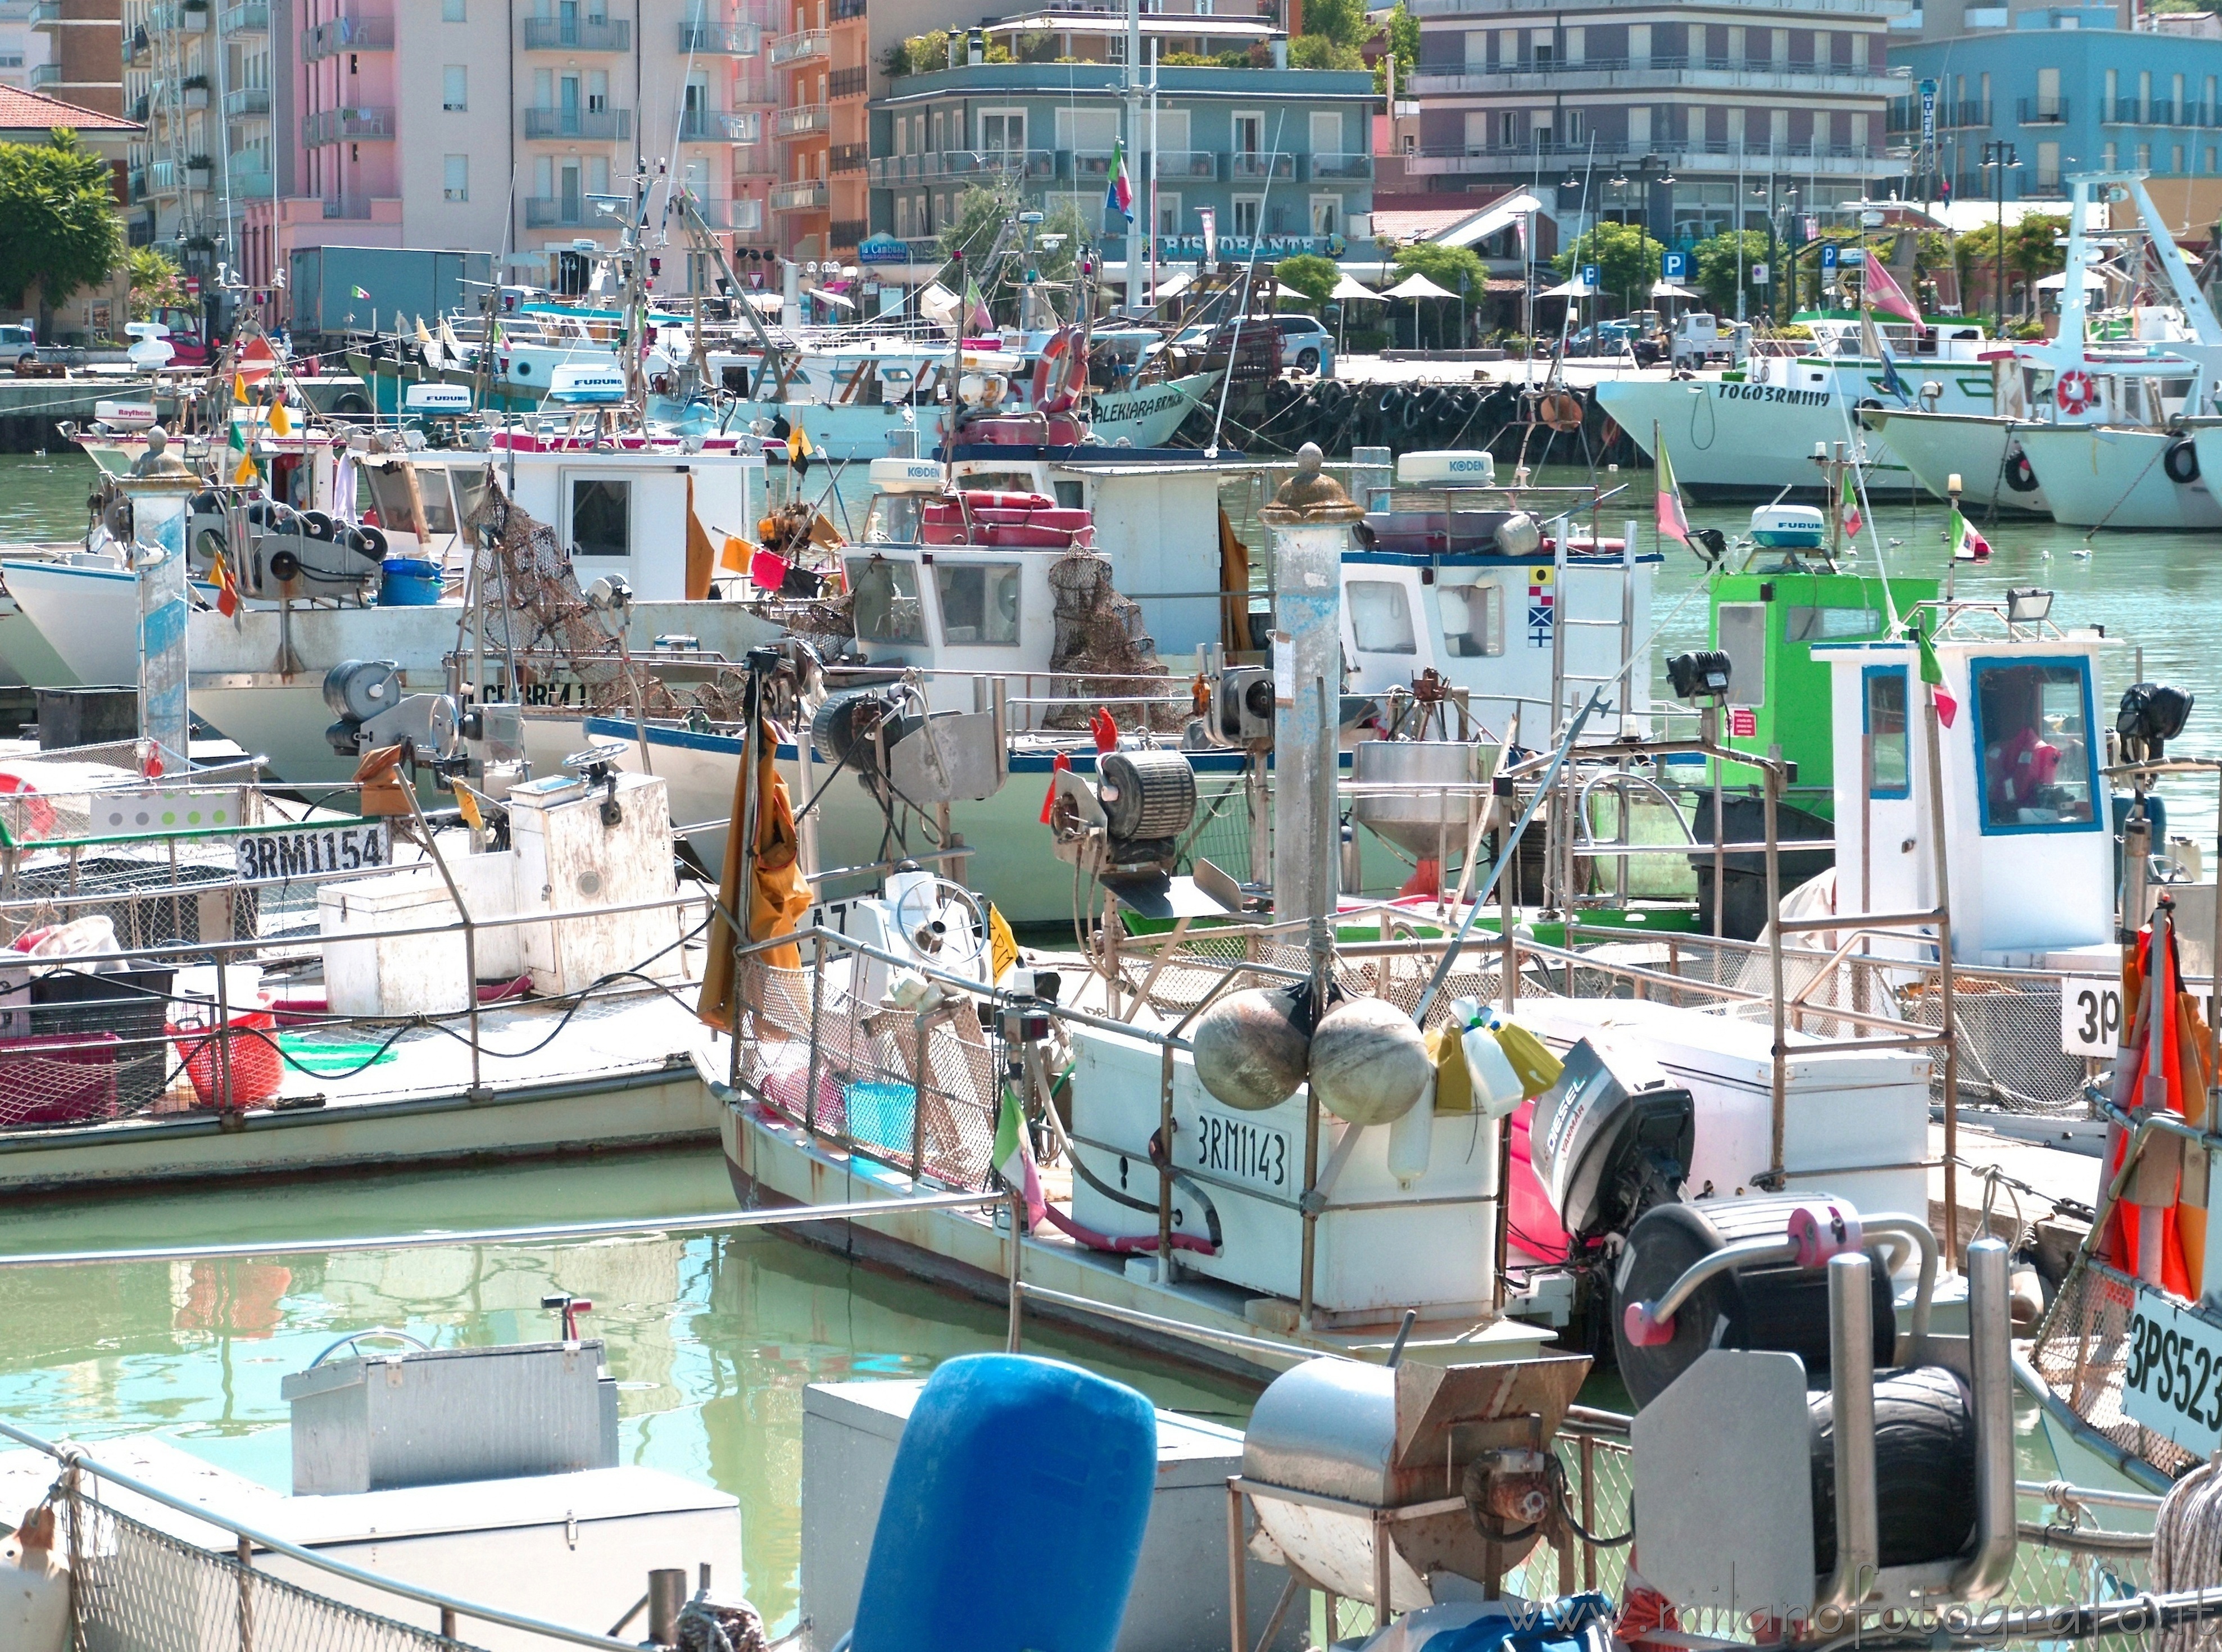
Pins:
x: 1755, y: 430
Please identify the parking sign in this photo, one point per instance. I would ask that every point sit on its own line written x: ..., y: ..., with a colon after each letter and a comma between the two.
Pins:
x: 1590, y: 275
x: 1675, y: 266
x: 1828, y: 255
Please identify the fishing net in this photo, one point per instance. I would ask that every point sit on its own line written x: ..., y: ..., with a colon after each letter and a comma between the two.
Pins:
x: 2082, y: 1351
x: 1100, y: 648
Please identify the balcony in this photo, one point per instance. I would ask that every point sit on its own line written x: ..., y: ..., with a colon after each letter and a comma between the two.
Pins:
x: 848, y: 157
x: 136, y: 182
x: 139, y: 48
x: 754, y: 160
x: 845, y: 9
x: 194, y: 96
x: 797, y: 48
x: 718, y: 126
x: 2154, y: 111
x: 46, y: 74
x: 1343, y: 167
x: 246, y: 103
x: 1244, y: 166
x: 1879, y: 9
x: 349, y: 208
x: 560, y: 211
x: 341, y: 125
x: 1661, y: 72
x: 802, y: 119
x: 971, y: 163
x: 186, y: 19
x: 2042, y: 111
x: 250, y: 19
x: 578, y: 34
x: 1188, y: 166
x: 162, y: 178
x: 605, y: 125
x: 1838, y: 160
x: 720, y: 40
x: 1904, y: 117
x: 848, y: 83
x: 138, y: 110
x: 808, y: 196
x: 347, y: 35
x: 848, y: 232
x: 249, y: 183
x: 46, y: 14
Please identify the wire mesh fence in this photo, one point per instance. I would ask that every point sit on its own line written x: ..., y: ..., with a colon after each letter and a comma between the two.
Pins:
x: 136, y: 1589
x: 2082, y: 1352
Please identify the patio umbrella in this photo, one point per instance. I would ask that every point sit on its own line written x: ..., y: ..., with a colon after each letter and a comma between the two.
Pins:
x: 1417, y: 286
x: 1346, y: 291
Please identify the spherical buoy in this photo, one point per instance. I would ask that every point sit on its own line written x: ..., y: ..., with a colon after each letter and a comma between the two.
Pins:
x: 1250, y: 1053
x: 1369, y: 1063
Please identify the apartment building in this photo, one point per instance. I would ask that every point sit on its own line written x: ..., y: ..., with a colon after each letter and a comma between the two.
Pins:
x: 1691, y: 117
x: 196, y: 75
x: 2019, y: 110
x: 69, y: 49
x: 1280, y: 157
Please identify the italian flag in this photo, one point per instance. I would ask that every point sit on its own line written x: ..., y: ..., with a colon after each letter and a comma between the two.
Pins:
x: 1119, y: 196
x: 1968, y: 545
x: 1014, y: 1157
x: 1673, y: 522
x: 1848, y: 512
x: 1932, y: 673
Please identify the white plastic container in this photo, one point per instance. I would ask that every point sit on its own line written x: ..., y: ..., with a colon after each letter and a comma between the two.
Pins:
x: 1411, y: 1138
x: 1496, y: 1090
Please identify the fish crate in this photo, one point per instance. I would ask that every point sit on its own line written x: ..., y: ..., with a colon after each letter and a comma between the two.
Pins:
x: 71, y: 1079
x: 128, y: 1006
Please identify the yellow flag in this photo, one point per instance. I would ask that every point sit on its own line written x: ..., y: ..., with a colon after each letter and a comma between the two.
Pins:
x: 281, y: 421
x: 734, y: 558
x: 1002, y: 945
x: 247, y: 472
x: 239, y: 386
x: 424, y: 333
x: 798, y: 443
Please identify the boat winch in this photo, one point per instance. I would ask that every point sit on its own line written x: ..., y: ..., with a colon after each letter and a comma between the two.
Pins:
x: 902, y: 753
x: 1130, y: 821
x: 270, y: 550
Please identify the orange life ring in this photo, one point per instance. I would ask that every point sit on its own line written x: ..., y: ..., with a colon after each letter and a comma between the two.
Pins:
x: 2074, y: 392
x: 1055, y: 385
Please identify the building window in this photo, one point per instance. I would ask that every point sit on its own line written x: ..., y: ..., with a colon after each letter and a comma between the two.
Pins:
x: 2145, y: 157
x: 1246, y: 214
x: 1327, y: 214
x: 1003, y: 131
x: 748, y: 214
x: 1381, y: 618
x: 1169, y: 212
x: 454, y: 88
x: 455, y: 178
x: 2033, y: 732
x: 1576, y: 128
x: 2175, y: 159
x: 1249, y: 135
x: 451, y: 11
x: 1508, y: 129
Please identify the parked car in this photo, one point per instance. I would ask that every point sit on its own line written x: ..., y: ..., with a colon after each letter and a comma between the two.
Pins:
x: 1306, y: 344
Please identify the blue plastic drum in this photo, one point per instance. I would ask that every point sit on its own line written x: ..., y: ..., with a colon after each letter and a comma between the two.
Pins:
x: 408, y: 583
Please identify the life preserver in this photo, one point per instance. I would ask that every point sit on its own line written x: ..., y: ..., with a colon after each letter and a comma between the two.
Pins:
x: 2182, y: 461
x: 2021, y: 475
x: 2074, y: 392
x: 1056, y: 388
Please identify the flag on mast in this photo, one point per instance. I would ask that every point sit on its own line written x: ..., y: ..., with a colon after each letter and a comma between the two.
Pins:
x: 1014, y: 1158
x: 1884, y: 293
x: 1673, y: 521
x: 1848, y: 511
x: 1932, y: 673
x: 1119, y: 194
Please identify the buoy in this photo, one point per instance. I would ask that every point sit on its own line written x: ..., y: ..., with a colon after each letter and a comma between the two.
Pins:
x: 1250, y: 1051
x: 1369, y: 1063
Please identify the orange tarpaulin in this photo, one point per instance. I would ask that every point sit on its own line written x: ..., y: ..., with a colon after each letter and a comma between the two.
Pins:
x: 779, y: 894
x: 2174, y: 1044
x: 701, y: 555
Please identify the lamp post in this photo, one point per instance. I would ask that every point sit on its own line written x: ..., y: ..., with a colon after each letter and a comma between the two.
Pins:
x: 1998, y: 158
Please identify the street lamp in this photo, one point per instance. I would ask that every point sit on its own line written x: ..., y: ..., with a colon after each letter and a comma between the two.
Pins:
x: 1998, y: 160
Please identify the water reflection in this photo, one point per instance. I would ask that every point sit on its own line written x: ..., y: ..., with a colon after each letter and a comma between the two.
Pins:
x: 711, y: 1338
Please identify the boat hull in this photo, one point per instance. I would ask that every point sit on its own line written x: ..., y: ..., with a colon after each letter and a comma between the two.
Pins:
x: 2101, y: 477
x: 87, y: 617
x: 1933, y: 448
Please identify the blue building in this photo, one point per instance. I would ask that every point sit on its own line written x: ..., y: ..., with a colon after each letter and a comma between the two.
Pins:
x: 1278, y: 154
x: 2067, y: 97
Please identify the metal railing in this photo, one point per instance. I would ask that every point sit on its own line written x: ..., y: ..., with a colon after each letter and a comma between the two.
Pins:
x: 349, y: 34
x: 847, y: 157
x: 798, y: 47
x: 2041, y: 111
x: 699, y: 125
x: 46, y: 74
x: 1323, y: 166
x: 806, y: 196
x: 802, y: 119
x: 849, y: 83
x: 604, y: 124
x: 554, y: 211
x: 578, y: 34
x: 340, y: 125
x: 251, y: 18
x: 724, y: 40
x: 351, y: 208
x: 246, y: 101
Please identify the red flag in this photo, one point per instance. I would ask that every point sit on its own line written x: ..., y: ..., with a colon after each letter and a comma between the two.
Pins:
x: 767, y: 572
x: 1063, y: 765
x: 1884, y: 293
x: 1105, y: 728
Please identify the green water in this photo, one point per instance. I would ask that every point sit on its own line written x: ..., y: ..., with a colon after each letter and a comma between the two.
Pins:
x: 711, y: 1338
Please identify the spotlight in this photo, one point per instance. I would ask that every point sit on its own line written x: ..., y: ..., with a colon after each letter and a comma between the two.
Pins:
x: 2151, y: 714
x: 1700, y: 678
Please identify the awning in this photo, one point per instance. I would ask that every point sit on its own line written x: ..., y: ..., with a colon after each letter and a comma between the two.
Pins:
x: 1575, y: 289
x: 1416, y: 285
x: 1348, y: 288
x: 1482, y: 225
x: 2094, y: 280
x: 1174, y: 285
x: 824, y: 297
x: 767, y: 301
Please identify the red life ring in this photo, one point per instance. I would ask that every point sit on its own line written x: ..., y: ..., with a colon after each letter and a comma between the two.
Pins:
x: 2074, y: 392
x: 1060, y: 370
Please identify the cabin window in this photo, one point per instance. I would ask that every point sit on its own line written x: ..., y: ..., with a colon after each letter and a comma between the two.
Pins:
x: 601, y: 516
x: 432, y: 488
x: 1070, y: 497
x: 1742, y: 633
x: 888, y: 609
x: 892, y: 519
x: 471, y: 489
x: 1889, y: 758
x: 1473, y: 619
x: 2032, y: 734
x: 979, y: 603
x: 390, y: 492
x: 1805, y: 625
x: 1381, y: 618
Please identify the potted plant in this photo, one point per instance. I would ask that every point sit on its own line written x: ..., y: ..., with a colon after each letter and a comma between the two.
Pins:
x: 196, y: 88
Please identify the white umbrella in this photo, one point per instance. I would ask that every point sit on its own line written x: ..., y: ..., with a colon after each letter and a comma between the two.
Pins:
x: 1281, y: 292
x: 1668, y: 290
x: 1417, y: 286
x: 1348, y: 287
x: 1576, y: 288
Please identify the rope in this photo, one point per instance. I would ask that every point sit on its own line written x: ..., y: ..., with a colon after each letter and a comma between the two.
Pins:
x: 2187, y: 1551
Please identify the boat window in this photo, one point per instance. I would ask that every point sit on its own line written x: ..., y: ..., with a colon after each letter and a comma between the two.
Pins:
x: 892, y: 519
x: 1804, y: 625
x: 996, y: 481
x: 979, y: 602
x: 1743, y: 633
x: 471, y: 489
x: 887, y: 608
x: 389, y: 492
x: 439, y: 509
x: 1381, y: 618
x: 2033, y: 732
x: 1473, y: 619
x: 1070, y: 497
x: 1888, y: 773
x: 601, y: 516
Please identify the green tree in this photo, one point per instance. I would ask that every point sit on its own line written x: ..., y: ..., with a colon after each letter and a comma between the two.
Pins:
x: 1717, y: 270
x: 1455, y: 269
x: 155, y: 282
x: 1309, y: 274
x: 1343, y: 21
x: 1627, y: 256
x: 976, y: 223
x: 1318, y: 51
x: 1403, y: 43
x: 59, y: 230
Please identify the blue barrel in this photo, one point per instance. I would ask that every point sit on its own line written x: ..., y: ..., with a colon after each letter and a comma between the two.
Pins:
x: 408, y: 583
x: 1014, y: 1512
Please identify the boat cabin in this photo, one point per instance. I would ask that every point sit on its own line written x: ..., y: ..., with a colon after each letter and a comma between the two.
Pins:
x: 2025, y: 808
